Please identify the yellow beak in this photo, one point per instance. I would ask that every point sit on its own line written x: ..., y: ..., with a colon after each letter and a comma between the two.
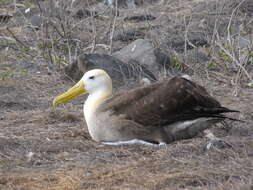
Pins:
x: 76, y: 90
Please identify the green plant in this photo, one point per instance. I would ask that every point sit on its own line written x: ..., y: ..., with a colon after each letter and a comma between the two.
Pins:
x: 250, y: 84
x: 7, y: 73
x: 250, y: 58
x: 224, y: 56
x: 23, y: 71
x: 211, y: 64
x: 178, y: 64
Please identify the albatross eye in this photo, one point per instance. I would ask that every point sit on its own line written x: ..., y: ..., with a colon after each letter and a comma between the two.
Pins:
x: 91, y: 77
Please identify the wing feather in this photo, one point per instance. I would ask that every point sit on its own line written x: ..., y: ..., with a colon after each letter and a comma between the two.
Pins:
x: 165, y: 102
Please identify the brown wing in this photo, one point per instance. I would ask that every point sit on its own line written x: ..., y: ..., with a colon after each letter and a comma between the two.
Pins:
x: 165, y: 102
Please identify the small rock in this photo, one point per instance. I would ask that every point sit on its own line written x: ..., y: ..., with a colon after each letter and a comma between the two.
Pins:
x: 177, y: 41
x: 139, y: 18
x: 128, y: 34
x: 123, y: 74
x: 84, y: 13
x: 130, y: 4
x: 143, y: 52
x: 36, y: 21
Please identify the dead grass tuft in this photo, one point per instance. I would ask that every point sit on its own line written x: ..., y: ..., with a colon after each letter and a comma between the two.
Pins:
x: 60, y: 180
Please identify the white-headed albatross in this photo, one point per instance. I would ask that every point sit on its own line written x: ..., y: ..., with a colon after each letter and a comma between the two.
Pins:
x: 162, y: 112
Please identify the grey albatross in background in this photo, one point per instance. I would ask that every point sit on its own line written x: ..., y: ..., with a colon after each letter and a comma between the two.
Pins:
x: 163, y: 112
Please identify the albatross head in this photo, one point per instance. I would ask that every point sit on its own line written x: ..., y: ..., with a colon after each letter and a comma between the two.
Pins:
x: 96, y: 82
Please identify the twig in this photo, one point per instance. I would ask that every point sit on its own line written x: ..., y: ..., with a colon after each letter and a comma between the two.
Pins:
x: 56, y: 29
x: 235, y: 60
x: 37, y: 2
x: 63, y: 28
x: 94, y: 30
x: 82, y: 21
x: 186, y: 39
x: 113, y: 26
x: 19, y: 41
x: 217, y: 18
x: 69, y: 51
x: 230, y: 21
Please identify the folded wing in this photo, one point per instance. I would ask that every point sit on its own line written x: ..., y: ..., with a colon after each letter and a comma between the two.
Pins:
x: 166, y: 102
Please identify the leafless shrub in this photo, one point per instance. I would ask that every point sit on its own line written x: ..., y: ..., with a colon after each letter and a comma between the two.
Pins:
x: 230, y: 47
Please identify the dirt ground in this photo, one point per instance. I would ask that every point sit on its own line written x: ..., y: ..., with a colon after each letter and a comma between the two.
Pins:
x: 42, y: 147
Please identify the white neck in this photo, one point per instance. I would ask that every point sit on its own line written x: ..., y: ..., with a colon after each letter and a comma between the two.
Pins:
x: 94, y: 100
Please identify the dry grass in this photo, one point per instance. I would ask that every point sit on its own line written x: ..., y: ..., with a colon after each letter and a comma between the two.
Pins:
x: 152, y: 168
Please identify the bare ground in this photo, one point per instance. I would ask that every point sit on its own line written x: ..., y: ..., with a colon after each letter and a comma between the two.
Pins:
x: 42, y: 147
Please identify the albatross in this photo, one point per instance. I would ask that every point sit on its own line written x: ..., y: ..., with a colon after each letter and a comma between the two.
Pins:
x: 162, y: 112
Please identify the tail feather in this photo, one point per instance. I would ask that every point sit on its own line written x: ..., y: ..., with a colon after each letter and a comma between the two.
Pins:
x: 191, y: 116
x: 215, y: 110
x: 226, y: 110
